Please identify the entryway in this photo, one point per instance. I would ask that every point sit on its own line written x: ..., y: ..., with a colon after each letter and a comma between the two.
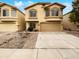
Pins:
x: 32, y: 26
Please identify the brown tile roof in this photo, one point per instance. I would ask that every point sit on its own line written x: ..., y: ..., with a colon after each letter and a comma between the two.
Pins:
x: 45, y: 3
x: 40, y: 3
x: 56, y: 4
x: 1, y: 4
x: 67, y: 13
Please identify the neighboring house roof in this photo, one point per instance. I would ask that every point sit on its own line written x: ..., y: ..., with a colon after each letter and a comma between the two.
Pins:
x: 48, y: 4
x: 2, y: 4
x: 67, y: 13
x: 40, y: 3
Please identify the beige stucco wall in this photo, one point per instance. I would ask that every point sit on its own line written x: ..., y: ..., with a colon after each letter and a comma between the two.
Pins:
x: 67, y: 24
x: 7, y: 7
x: 21, y: 21
x: 10, y: 23
x: 41, y: 16
x: 40, y: 13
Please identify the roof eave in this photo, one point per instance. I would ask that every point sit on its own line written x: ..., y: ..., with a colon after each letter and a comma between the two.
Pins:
x: 63, y: 6
x: 36, y: 4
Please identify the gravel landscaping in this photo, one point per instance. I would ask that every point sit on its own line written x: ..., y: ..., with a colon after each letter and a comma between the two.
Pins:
x: 18, y: 40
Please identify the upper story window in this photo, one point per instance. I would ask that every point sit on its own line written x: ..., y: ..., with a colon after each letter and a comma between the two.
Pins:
x: 13, y: 13
x: 0, y: 11
x: 55, y: 11
x: 47, y: 12
x: 5, y: 12
x: 33, y: 13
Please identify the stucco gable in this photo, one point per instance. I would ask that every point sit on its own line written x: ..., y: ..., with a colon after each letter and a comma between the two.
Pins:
x: 3, y: 4
x: 47, y: 5
x: 63, y: 6
x: 40, y: 3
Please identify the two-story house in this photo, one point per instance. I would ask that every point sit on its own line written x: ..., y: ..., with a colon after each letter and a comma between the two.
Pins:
x: 44, y: 17
x: 11, y: 18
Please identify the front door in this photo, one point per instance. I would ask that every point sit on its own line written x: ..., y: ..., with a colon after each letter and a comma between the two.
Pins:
x: 32, y: 26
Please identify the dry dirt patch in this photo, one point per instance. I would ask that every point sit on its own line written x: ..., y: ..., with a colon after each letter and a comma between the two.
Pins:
x: 18, y: 40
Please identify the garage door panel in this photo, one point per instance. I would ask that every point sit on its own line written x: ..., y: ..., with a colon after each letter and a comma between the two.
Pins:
x: 8, y: 27
x: 50, y: 27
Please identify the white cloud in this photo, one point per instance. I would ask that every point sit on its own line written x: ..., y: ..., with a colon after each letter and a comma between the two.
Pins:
x: 29, y: 3
x: 19, y: 4
x: 22, y: 4
x: 68, y: 7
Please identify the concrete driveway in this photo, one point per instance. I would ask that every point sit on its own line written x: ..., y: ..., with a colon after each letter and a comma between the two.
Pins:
x: 54, y: 45
x: 57, y: 40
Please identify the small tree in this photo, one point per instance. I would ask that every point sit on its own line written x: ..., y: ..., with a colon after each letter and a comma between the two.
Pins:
x: 74, y: 16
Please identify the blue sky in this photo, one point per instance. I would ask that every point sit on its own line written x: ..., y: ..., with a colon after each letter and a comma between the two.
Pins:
x: 21, y: 4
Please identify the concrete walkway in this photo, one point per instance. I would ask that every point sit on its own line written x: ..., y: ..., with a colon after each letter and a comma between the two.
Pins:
x: 55, y: 45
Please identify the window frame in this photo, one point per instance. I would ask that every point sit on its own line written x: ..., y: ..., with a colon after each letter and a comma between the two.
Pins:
x: 0, y: 11
x: 32, y: 13
x: 5, y: 12
x: 13, y: 11
x: 55, y: 11
x: 47, y: 12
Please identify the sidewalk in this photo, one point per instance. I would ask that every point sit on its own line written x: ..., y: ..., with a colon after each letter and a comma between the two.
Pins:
x: 54, y: 45
x: 39, y: 53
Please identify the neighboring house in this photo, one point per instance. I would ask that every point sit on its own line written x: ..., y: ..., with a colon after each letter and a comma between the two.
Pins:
x: 67, y: 24
x: 44, y: 17
x: 66, y: 21
x: 11, y: 19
